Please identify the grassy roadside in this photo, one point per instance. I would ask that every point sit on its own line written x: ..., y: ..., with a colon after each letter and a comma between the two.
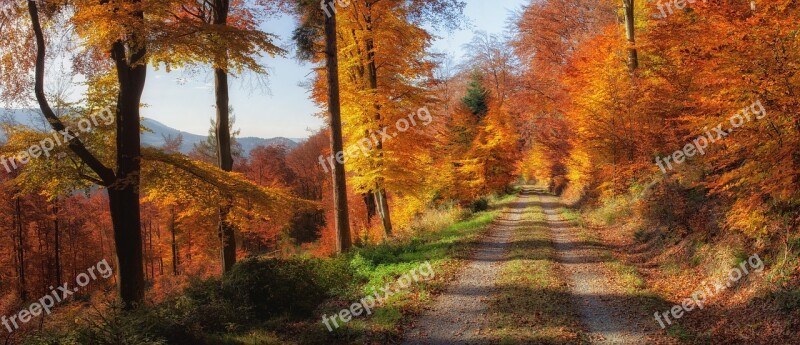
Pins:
x: 533, y: 299
x: 676, y: 261
x: 446, y: 250
x: 626, y: 275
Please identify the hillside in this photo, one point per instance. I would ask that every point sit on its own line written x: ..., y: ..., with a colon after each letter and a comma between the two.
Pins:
x: 154, y: 135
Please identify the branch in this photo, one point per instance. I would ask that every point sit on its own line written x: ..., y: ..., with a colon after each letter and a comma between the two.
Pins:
x: 231, y: 182
x: 106, y: 174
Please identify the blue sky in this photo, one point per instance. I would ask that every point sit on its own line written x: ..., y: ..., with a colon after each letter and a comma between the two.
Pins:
x: 186, y: 103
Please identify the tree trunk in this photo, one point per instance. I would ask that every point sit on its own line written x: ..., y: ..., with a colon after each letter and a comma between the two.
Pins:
x: 227, y: 233
x: 633, y: 59
x: 343, y: 240
x: 123, y: 194
x: 57, y: 244
x: 45, y: 266
x: 124, y: 207
x: 23, y: 291
x: 227, y: 237
x: 172, y: 228
x: 144, y: 251
x: 160, y: 251
x: 151, y: 252
x: 382, y: 204
x: 369, y: 202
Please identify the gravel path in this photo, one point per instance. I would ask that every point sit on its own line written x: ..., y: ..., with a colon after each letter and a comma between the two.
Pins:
x: 600, y: 301
x: 458, y: 316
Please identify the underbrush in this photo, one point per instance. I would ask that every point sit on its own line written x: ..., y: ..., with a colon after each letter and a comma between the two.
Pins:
x: 256, y: 289
x: 678, y: 236
x: 436, y: 219
x: 281, y: 301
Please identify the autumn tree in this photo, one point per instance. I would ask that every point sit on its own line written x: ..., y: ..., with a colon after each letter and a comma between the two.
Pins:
x: 735, y: 59
x: 310, y: 182
x: 546, y: 35
x: 317, y: 24
x: 483, y: 141
x: 128, y: 52
x: 383, y: 83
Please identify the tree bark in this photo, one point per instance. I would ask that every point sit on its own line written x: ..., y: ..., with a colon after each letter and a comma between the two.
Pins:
x: 369, y: 202
x: 227, y: 238
x: 124, y: 201
x: 172, y: 228
x: 23, y: 290
x: 160, y: 251
x: 57, y: 243
x: 381, y: 201
x: 227, y: 232
x: 151, y: 252
x: 124, y: 207
x: 342, y: 221
x: 630, y: 33
x: 382, y: 204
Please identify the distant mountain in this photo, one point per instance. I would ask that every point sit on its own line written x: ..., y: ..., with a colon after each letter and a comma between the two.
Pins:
x: 155, y: 136
x: 161, y: 131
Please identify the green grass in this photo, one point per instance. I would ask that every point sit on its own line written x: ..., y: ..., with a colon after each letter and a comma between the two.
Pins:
x: 375, y: 266
x: 532, y: 305
x: 679, y: 332
x: 260, y: 337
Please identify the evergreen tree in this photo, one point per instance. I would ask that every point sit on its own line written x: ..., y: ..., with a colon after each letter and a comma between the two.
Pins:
x: 207, y: 150
x: 477, y: 96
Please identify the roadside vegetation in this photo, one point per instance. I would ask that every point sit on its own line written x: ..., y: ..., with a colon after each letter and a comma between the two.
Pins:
x: 282, y: 301
x: 664, y: 245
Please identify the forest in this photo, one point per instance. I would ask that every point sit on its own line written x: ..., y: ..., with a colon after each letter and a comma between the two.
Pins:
x: 620, y: 172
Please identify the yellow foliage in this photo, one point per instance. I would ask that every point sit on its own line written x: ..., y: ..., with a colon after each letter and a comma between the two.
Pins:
x: 180, y: 178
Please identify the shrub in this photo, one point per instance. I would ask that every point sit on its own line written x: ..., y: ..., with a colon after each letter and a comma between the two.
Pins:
x: 787, y: 301
x: 113, y: 326
x: 272, y: 287
x: 436, y: 219
x: 203, y: 308
x: 255, y: 290
x: 479, y: 205
x: 335, y: 275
